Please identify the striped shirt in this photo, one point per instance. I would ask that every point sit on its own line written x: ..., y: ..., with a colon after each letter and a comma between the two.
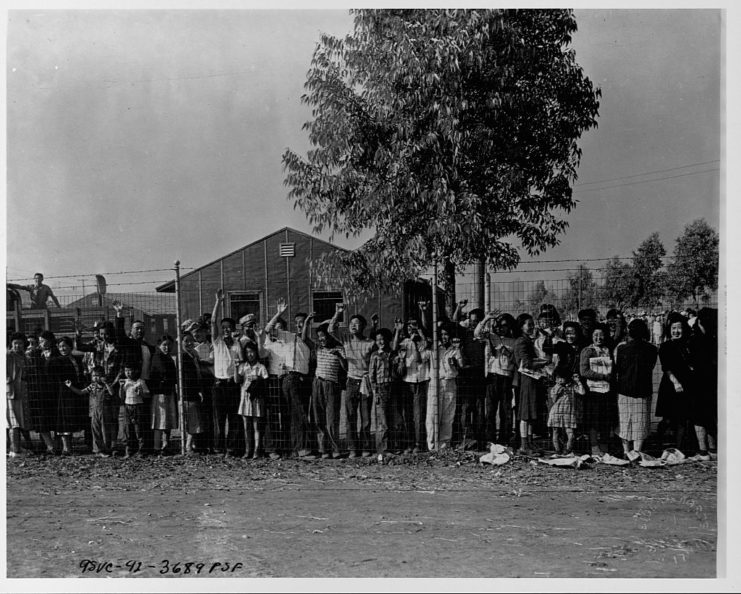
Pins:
x: 379, y: 369
x: 328, y: 363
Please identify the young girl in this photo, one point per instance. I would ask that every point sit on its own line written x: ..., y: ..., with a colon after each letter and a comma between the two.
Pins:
x: 252, y: 405
x: 104, y: 410
x: 133, y: 391
x: 562, y: 416
x: 163, y: 378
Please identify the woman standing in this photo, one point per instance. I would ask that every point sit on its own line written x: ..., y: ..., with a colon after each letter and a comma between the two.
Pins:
x: 163, y: 378
x: 529, y: 370
x: 17, y: 415
x: 634, y: 364
x: 192, y: 393
x: 704, y: 400
x: 677, y: 382
x: 72, y: 409
x: 595, y: 366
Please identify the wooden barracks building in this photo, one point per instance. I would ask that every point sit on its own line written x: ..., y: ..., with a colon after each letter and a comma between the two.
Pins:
x: 279, y: 265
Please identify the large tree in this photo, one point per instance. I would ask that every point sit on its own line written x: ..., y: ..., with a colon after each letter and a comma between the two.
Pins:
x: 618, y: 283
x: 694, y: 267
x: 582, y: 291
x: 450, y: 134
x: 648, y: 277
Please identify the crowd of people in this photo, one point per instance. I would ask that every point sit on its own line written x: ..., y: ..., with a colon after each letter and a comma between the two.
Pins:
x: 276, y: 391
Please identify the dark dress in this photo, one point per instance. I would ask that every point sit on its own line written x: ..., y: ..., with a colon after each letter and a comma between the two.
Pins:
x: 675, y: 357
x: 568, y: 357
x: 72, y: 409
x: 531, y: 392
x: 43, y: 390
x: 703, y: 405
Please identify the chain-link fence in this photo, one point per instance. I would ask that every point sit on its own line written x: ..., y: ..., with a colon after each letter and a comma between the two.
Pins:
x: 299, y: 413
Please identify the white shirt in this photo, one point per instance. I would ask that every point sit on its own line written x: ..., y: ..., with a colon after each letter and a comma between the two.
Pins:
x: 225, y: 358
x: 275, y: 350
x: 416, y: 372
x: 297, y: 355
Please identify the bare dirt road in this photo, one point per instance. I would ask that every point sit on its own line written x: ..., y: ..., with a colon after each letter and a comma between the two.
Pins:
x: 419, y: 517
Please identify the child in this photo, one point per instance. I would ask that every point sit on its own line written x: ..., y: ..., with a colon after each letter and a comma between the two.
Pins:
x: 381, y: 378
x: 252, y: 405
x: 103, y: 410
x: 134, y: 390
x: 562, y: 416
x: 162, y: 381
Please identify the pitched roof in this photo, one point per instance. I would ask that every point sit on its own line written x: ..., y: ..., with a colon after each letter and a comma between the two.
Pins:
x: 169, y: 287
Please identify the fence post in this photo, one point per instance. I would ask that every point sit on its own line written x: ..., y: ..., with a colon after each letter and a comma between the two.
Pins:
x: 180, y: 357
x: 435, y: 358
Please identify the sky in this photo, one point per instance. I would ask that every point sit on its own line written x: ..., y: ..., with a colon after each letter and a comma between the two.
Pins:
x: 137, y: 138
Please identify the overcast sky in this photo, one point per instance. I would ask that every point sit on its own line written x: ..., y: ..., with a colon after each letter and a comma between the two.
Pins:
x: 136, y: 138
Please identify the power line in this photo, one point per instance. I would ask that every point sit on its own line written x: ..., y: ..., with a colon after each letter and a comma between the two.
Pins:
x: 600, y: 181
x: 645, y: 181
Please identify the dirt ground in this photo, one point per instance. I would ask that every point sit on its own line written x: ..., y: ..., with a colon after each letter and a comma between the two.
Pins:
x: 419, y: 516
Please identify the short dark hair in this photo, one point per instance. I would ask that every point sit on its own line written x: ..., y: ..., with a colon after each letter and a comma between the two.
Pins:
x: 282, y: 321
x: 163, y: 338
x: 18, y: 336
x: 35, y: 274
x: 359, y: 318
x: 638, y: 329
x: 301, y: 314
x: 587, y: 313
x: 385, y: 332
x: 522, y: 318
x: 230, y: 321
x: 66, y: 340
x: 48, y: 335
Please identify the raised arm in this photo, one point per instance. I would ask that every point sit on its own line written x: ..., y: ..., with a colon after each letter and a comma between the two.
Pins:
x: 215, y: 314
x: 338, y: 310
x: 281, y: 308
x: 423, y: 308
x: 481, y: 327
x: 398, y: 327
x: 307, y: 324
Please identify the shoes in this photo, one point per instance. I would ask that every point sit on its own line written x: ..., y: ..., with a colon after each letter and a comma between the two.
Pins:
x: 352, y: 455
x: 274, y: 456
x: 325, y: 456
x: 524, y: 452
x: 380, y: 458
x: 336, y: 455
x: 416, y: 450
x: 408, y: 451
x: 256, y: 456
x: 16, y: 454
x: 303, y: 453
x: 365, y: 454
x: 700, y: 458
x: 103, y: 455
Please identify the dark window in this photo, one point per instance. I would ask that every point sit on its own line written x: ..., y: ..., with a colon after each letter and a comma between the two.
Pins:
x: 324, y: 305
x: 241, y: 304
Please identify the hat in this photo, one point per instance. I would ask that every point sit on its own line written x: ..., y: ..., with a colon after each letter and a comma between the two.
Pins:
x: 247, y: 318
x: 189, y: 325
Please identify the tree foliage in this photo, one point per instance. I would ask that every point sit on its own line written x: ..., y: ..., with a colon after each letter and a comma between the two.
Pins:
x: 618, y: 283
x: 582, y: 291
x: 649, y: 280
x: 694, y: 267
x: 450, y: 134
x: 538, y: 295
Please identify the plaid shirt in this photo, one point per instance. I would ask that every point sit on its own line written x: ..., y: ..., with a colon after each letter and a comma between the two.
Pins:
x: 379, y: 369
x: 328, y: 364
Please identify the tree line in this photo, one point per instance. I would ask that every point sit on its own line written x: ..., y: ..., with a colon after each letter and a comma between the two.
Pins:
x: 646, y: 281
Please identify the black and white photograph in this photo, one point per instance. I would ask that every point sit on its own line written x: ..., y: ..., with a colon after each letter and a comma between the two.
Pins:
x: 359, y: 292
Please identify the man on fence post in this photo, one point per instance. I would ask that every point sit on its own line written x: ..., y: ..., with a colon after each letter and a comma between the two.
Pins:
x: 40, y: 293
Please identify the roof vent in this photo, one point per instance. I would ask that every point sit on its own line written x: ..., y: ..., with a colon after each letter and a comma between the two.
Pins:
x: 287, y: 250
